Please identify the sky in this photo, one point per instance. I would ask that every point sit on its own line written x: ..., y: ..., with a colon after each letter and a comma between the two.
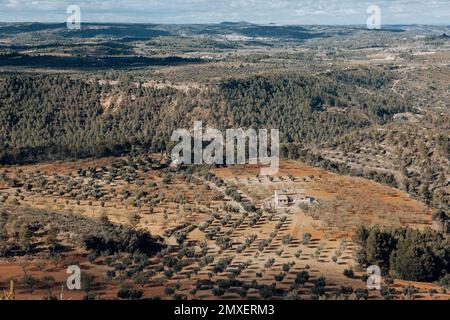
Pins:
x: 213, y: 11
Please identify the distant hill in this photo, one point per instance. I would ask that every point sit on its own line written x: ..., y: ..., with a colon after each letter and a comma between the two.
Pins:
x: 151, y: 31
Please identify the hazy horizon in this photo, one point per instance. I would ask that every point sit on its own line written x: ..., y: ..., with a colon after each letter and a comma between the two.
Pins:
x: 234, y: 22
x: 282, y: 12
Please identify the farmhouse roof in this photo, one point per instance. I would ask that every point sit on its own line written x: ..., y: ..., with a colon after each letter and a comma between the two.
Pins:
x: 290, y: 191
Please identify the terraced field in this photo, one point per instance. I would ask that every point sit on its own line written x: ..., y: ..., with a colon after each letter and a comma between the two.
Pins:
x: 221, y: 241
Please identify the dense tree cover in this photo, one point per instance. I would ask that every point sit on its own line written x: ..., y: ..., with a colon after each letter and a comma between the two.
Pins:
x: 90, y: 62
x: 58, y: 117
x: 299, y: 106
x: 30, y: 231
x: 404, y: 253
x: 114, y: 238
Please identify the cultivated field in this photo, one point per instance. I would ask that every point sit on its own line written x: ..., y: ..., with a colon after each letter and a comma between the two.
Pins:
x: 220, y: 240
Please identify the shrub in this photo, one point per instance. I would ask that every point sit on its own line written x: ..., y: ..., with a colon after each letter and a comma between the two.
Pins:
x: 92, y: 257
x: 129, y: 294
x: 279, y: 277
x: 387, y: 293
x: 306, y: 238
x: 362, y: 294
x: 266, y: 292
x: 319, y: 287
x: 410, y: 291
x: 169, y: 291
x: 287, y: 239
x: 302, y: 277
x: 193, y: 292
x: 445, y: 281
x: 346, y: 290
x: 320, y: 282
x: 349, y: 273
x: 218, y: 292
x: 242, y: 292
x: 111, y: 273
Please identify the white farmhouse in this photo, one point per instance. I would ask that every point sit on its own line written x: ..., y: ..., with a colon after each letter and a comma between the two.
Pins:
x: 288, y: 197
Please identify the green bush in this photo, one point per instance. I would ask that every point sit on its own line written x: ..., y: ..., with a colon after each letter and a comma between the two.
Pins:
x: 130, y: 294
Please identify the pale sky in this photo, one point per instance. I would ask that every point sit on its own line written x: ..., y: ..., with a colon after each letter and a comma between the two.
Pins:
x: 213, y: 11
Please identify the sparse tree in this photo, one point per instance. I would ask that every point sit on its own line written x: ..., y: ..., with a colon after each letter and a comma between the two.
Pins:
x: 31, y: 282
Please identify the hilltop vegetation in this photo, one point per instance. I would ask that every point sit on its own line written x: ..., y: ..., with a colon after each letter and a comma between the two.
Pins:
x: 33, y: 231
x: 416, y: 155
x: 57, y: 117
x: 86, y: 178
x: 404, y: 253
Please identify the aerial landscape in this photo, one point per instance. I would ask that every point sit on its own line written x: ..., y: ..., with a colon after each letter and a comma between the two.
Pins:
x: 88, y: 179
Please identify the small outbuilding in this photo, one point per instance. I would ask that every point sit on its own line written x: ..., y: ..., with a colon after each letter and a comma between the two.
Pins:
x: 289, y: 197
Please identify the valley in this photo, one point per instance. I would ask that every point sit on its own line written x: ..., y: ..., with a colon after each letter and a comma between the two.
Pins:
x: 87, y: 180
